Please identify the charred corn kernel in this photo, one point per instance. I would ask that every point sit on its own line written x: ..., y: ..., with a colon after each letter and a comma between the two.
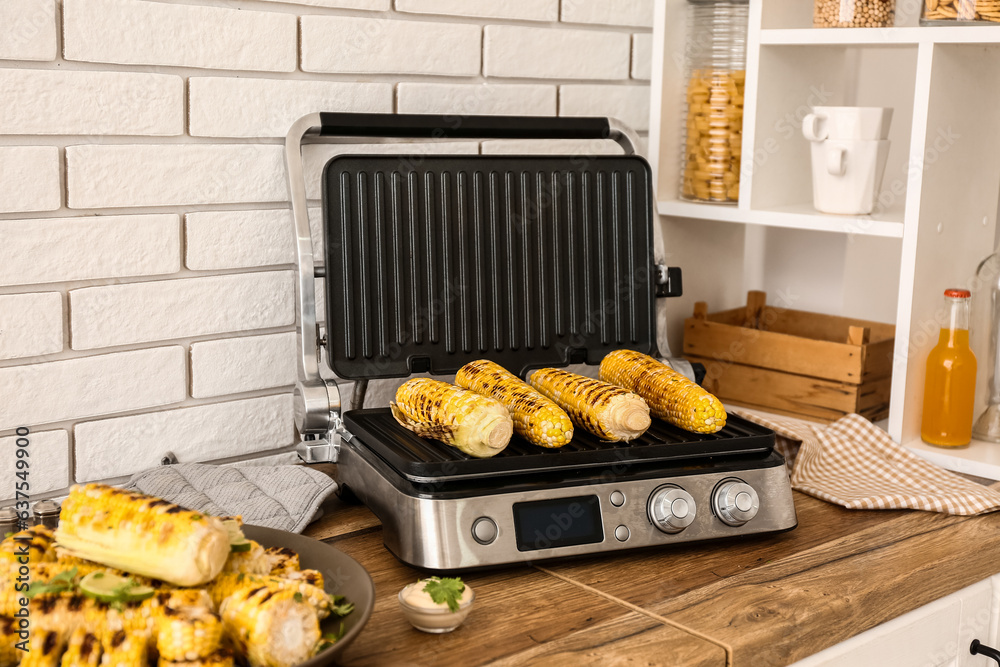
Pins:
x: 229, y: 583
x: 477, y: 425
x: 254, y: 561
x: 313, y: 577
x: 9, y: 653
x: 36, y: 544
x: 670, y: 395
x: 537, y: 419
x: 607, y: 411
x: 282, y: 560
x: 221, y: 658
x: 63, y: 613
x: 124, y: 650
x: 45, y: 647
x: 190, y: 633
x: 143, y: 535
x: 82, y: 650
x: 272, y: 628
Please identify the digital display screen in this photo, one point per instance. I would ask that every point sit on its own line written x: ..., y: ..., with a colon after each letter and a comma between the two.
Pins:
x: 565, y: 522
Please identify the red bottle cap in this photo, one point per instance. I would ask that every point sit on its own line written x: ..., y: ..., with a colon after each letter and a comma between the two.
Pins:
x: 958, y: 293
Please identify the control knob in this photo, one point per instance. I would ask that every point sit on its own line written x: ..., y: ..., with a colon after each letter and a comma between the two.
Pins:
x: 671, y: 508
x: 735, y: 502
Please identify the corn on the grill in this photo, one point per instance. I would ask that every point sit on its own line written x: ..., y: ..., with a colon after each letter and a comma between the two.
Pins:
x: 537, y: 419
x: 282, y: 560
x: 477, y: 425
x: 221, y: 658
x: 83, y: 650
x: 142, y: 534
x: 36, y: 544
x: 670, y: 395
x: 607, y: 411
x: 9, y: 653
x: 254, y: 561
x: 124, y: 650
x: 272, y: 628
x: 44, y: 649
x: 228, y: 583
x: 187, y: 634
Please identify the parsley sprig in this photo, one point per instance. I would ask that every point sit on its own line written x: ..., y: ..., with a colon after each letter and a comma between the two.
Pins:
x: 447, y: 590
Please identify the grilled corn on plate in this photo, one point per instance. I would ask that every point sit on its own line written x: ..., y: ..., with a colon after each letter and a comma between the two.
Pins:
x: 670, y: 395
x: 607, y: 411
x: 537, y: 419
x: 102, y: 614
x: 477, y: 425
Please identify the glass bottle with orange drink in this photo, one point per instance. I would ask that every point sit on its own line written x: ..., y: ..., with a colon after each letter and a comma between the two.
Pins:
x: 950, y: 385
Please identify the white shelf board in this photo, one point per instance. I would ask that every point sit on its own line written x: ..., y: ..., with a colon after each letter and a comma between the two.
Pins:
x: 799, y: 216
x: 980, y: 458
x: 972, y: 34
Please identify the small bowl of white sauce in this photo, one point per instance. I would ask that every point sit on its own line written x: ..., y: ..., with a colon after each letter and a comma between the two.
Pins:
x: 426, y: 615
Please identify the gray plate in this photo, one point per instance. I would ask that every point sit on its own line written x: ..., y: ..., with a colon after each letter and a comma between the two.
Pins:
x: 342, y: 576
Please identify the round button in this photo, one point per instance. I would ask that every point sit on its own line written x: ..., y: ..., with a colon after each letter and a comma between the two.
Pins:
x: 621, y: 532
x: 484, y: 530
x: 671, y: 508
x: 735, y: 502
x: 617, y: 498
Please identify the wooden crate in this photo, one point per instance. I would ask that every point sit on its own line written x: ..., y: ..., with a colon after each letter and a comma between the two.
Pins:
x: 820, y: 367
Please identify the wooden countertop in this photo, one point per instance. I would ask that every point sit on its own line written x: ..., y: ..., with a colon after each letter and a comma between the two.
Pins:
x: 768, y: 600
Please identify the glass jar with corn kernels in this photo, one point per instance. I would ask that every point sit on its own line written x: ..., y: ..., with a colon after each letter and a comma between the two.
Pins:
x: 854, y: 13
x: 715, y: 59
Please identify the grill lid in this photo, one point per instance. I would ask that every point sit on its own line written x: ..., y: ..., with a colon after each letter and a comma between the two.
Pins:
x: 529, y: 261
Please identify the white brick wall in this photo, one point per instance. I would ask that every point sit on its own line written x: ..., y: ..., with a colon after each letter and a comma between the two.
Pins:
x: 146, y: 301
x: 49, y: 251
x: 136, y: 32
x: 30, y: 178
x: 52, y: 102
x: 115, y: 447
x: 28, y: 29
x: 90, y: 386
x: 30, y: 324
x: 162, y: 310
x: 549, y: 53
x: 348, y: 44
x: 234, y: 365
x: 48, y: 452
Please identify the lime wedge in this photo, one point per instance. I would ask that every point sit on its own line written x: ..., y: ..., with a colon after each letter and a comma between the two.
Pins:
x: 235, y: 530
x: 108, y: 587
x: 240, y: 547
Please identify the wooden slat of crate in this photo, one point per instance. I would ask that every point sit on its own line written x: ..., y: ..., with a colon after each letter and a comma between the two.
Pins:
x: 826, y: 400
x: 777, y: 351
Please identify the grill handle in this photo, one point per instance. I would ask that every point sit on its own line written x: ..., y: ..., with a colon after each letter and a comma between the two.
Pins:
x: 433, y: 126
x: 318, y: 401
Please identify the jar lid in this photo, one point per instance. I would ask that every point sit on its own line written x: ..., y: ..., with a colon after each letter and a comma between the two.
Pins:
x: 958, y: 293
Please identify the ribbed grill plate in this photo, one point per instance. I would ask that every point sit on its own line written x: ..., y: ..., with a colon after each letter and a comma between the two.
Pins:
x: 433, y: 262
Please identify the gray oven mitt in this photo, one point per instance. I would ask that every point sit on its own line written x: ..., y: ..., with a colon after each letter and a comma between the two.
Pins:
x: 283, y: 497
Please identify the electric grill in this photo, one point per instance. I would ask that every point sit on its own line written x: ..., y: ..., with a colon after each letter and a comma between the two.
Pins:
x: 531, y: 261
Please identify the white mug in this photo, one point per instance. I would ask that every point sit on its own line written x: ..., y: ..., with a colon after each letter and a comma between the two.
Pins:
x: 868, y: 123
x: 847, y: 174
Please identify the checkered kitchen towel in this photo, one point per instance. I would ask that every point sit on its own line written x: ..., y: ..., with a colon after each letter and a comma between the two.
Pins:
x: 855, y: 464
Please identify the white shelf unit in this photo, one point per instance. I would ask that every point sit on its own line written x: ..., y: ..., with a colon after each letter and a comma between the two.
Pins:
x: 937, y: 215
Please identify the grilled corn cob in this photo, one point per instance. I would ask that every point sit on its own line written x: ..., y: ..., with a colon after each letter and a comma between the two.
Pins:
x: 670, y: 395
x: 607, y: 411
x: 477, y: 425
x: 536, y: 418
x: 44, y: 649
x: 282, y: 560
x: 83, y: 649
x: 254, y: 561
x: 36, y: 544
x: 221, y: 658
x: 124, y: 650
x: 227, y: 584
x: 9, y: 653
x: 186, y: 634
x: 272, y: 628
x: 142, y: 534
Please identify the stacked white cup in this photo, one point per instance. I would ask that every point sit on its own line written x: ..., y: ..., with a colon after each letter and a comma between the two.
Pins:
x: 850, y: 146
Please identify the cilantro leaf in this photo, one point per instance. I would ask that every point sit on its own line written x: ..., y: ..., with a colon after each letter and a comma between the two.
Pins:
x: 330, y: 638
x: 298, y: 597
x: 342, y: 609
x: 445, y: 591
x: 60, y: 583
